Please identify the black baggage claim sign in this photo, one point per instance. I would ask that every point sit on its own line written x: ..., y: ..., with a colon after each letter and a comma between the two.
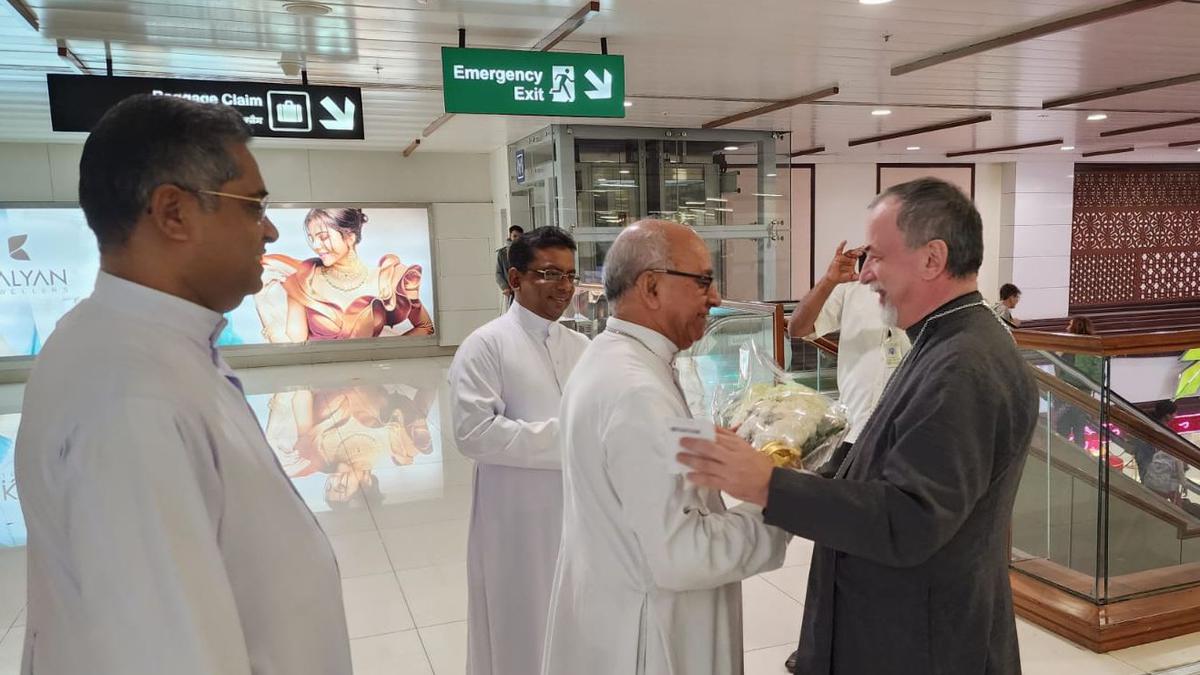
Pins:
x: 271, y: 110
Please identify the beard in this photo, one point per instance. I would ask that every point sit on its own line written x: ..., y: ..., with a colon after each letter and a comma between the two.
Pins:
x: 890, y: 315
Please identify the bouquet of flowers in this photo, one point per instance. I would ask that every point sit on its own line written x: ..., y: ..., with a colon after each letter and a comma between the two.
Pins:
x: 797, y: 426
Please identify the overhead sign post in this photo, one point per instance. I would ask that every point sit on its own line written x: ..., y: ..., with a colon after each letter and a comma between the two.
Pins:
x: 510, y: 82
x: 271, y: 110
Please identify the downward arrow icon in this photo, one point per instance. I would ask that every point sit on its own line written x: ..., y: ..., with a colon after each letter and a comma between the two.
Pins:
x: 603, y: 87
x: 343, y: 119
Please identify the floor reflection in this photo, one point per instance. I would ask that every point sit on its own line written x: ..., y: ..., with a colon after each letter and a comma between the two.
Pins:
x: 348, y: 436
x: 12, y: 525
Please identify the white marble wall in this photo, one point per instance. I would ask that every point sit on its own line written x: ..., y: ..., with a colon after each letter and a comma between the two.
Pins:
x: 1035, y: 235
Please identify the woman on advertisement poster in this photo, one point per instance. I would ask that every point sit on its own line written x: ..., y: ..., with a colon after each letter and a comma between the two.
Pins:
x: 336, y: 296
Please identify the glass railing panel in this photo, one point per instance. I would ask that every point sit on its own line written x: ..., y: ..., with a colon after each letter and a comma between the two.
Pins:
x: 1108, y: 507
x: 1054, y: 526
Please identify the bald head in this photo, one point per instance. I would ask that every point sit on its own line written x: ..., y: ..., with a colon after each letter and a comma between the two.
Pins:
x: 658, y: 274
x: 644, y: 245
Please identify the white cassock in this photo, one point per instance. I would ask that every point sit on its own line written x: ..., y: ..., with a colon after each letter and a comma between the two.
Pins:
x: 505, y: 385
x: 163, y: 535
x: 648, y: 572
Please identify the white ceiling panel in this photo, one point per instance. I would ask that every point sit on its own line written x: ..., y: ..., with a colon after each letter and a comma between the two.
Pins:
x: 687, y: 61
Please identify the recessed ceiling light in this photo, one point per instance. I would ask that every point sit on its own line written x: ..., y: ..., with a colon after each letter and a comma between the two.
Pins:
x: 731, y: 148
x: 628, y: 104
x: 1096, y: 117
x: 772, y: 175
x: 1067, y: 147
x: 307, y: 8
x: 913, y: 147
x: 873, y: 2
x: 623, y: 171
x: 880, y: 112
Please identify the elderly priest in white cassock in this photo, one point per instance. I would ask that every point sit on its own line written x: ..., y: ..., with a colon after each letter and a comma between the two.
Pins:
x: 506, y: 382
x: 649, y: 570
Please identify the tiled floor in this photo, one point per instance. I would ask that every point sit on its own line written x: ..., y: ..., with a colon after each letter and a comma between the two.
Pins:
x: 402, y: 555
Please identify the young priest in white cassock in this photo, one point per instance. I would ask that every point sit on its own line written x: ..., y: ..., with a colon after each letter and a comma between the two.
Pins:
x: 649, y: 570
x: 505, y: 385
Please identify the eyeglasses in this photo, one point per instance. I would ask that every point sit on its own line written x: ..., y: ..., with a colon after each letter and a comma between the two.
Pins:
x: 263, y: 202
x: 704, y: 281
x: 555, y: 276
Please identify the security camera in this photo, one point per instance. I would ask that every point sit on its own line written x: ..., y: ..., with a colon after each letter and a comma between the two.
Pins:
x: 291, y: 63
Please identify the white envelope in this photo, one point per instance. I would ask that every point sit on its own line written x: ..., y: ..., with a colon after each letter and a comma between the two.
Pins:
x: 676, y: 429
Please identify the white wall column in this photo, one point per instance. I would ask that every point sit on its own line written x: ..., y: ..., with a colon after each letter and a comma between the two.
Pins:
x: 1035, y: 235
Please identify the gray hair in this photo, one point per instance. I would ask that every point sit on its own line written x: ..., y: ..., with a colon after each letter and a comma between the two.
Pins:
x: 146, y: 141
x: 638, y: 248
x: 934, y: 209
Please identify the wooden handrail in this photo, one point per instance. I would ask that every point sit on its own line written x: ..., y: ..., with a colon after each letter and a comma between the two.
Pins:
x: 1133, y: 344
x: 1163, y: 440
x: 1071, y: 460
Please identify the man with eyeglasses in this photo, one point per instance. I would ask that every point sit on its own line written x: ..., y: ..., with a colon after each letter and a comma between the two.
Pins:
x: 649, y: 569
x: 505, y: 385
x: 163, y: 535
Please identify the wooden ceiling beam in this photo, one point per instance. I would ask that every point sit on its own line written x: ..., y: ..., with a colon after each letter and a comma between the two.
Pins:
x: 1097, y: 153
x: 1005, y: 148
x: 772, y: 107
x: 567, y: 27
x: 1120, y: 91
x: 1030, y: 33
x: 1150, y: 127
x: 922, y: 130
x: 808, y: 151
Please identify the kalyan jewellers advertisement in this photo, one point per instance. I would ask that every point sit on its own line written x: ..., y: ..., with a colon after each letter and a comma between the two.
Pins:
x: 334, y: 274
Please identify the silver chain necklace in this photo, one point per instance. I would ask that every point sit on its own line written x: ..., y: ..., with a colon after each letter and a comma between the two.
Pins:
x: 899, y: 368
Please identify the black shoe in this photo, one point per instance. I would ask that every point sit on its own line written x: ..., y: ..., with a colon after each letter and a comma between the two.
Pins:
x: 790, y: 664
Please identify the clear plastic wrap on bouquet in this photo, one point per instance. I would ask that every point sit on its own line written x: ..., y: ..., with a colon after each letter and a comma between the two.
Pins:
x: 797, y: 426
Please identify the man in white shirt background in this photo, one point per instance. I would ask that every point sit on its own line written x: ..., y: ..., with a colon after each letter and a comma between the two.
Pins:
x: 649, y: 569
x: 163, y: 535
x: 506, y: 382
x: 869, y: 350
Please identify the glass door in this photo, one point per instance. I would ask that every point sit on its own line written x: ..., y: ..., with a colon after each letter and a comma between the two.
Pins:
x: 723, y: 184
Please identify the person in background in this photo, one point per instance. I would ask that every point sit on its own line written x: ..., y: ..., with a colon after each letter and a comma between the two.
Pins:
x: 1160, y: 471
x: 502, y: 262
x: 649, y: 569
x: 506, y: 382
x: 868, y: 349
x: 1070, y: 420
x: 1010, y: 295
x: 910, y: 575
x: 163, y: 535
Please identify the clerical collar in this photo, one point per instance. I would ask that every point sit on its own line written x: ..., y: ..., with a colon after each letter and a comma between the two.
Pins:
x: 535, y: 325
x: 961, y: 301
x: 655, y: 341
x: 197, y: 323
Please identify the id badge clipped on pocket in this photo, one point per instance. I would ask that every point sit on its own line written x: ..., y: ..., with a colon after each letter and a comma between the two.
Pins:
x: 891, y: 352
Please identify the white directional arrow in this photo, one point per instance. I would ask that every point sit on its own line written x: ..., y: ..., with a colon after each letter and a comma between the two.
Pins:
x: 603, y: 87
x: 343, y: 119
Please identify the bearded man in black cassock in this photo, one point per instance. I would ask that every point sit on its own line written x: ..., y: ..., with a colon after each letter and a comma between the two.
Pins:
x: 909, y: 573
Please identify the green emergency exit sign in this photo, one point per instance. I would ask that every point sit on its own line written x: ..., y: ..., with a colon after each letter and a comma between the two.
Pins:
x: 509, y: 82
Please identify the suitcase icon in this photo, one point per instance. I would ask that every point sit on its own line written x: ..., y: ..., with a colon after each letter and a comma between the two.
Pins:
x: 289, y: 112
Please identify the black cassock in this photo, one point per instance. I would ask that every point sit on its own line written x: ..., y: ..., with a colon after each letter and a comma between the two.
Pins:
x: 910, y: 569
